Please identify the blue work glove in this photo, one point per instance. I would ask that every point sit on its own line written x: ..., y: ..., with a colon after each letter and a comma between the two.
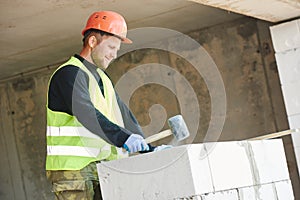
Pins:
x: 162, y: 147
x: 135, y: 143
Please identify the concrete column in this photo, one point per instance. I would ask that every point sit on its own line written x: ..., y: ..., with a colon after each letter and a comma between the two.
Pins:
x: 286, y: 41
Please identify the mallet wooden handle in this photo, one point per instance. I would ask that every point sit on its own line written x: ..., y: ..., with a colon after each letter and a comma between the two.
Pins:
x: 158, y: 136
x: 155, y: 137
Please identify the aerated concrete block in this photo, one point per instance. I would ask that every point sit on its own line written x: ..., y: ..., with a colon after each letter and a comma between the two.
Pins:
x: 230, y: 165
x: 263, y: 192
x: 296, y: 138
x: 291, y: 96
x: 269, y: 161
x: 248, y: 193
x: 210, y: 171
x: 294, y: 121
x: 286, y: 36
x: 228, y: 195
x: 297, y: 154
x: 288, y: 66
x: 168, y: 174
x: 284, y: 190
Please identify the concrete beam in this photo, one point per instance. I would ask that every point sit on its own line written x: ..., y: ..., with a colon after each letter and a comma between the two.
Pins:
x: 269, y: 10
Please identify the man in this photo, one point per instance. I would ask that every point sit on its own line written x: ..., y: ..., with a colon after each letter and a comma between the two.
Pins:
x: 86, y: 121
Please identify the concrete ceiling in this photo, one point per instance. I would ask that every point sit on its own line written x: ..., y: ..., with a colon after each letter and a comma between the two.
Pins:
x: 35, y: 33
x: 39, y: 33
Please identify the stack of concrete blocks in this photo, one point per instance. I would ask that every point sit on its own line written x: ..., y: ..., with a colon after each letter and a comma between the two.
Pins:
x: 286, y: 42
x: 237, y: 170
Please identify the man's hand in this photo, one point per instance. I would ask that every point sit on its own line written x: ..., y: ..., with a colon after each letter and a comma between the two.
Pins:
x: 135, y: 143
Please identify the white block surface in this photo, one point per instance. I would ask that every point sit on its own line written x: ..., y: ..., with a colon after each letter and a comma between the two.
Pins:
x: 262, y: 192
x: 296, y: 138
x: 183, y: 172
x: 291, y: 96
x: 286, y: 36
x: 269, y: 161
x: 288, y: 66
x: 224, y: 195
x: 267, y: 192
x: 158, y: 175
x: 230, y: 165
x: 294, y: 121
x: 200, y: 169
x: 284, y: 190
x: 247, y: 193
x: 286, y: 42
x: 297, y: 154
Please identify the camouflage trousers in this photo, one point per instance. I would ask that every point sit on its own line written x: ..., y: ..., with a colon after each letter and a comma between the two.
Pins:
x: 76, y: 185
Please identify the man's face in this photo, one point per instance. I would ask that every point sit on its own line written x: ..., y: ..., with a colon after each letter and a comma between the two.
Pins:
x: 105, y: 51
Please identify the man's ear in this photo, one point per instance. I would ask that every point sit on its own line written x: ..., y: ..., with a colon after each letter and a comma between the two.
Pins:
x: 92, y: 41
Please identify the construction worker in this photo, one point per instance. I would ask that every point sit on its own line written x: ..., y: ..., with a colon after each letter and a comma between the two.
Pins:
x: 86, y: 120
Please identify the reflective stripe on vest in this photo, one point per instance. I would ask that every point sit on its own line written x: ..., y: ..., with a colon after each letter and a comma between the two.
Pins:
x: 70, y: 146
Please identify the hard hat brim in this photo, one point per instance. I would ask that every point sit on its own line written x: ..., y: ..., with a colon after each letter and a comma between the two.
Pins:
x: 126, y: 41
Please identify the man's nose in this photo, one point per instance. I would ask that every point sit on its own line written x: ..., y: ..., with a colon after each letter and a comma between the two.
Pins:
x: 114, y: 54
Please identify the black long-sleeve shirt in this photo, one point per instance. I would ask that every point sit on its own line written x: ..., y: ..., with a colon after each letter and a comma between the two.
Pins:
x: 69, y: 93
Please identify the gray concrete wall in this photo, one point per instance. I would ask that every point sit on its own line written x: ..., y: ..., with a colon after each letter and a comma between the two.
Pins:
x: 23, y: 124
x: 243, y: 53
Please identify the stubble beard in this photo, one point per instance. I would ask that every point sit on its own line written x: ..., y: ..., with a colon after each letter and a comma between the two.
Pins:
x: 97, y: 62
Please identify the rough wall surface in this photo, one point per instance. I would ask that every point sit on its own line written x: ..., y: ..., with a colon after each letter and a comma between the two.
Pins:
x: 23, y: 133
x: 245, y: 63
x: 248, y: 69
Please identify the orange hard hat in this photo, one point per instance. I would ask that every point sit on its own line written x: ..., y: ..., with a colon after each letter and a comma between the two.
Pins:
x: 110, y: 22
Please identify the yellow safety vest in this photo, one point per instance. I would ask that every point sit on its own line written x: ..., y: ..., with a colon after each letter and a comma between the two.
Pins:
x: 70, y: 146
